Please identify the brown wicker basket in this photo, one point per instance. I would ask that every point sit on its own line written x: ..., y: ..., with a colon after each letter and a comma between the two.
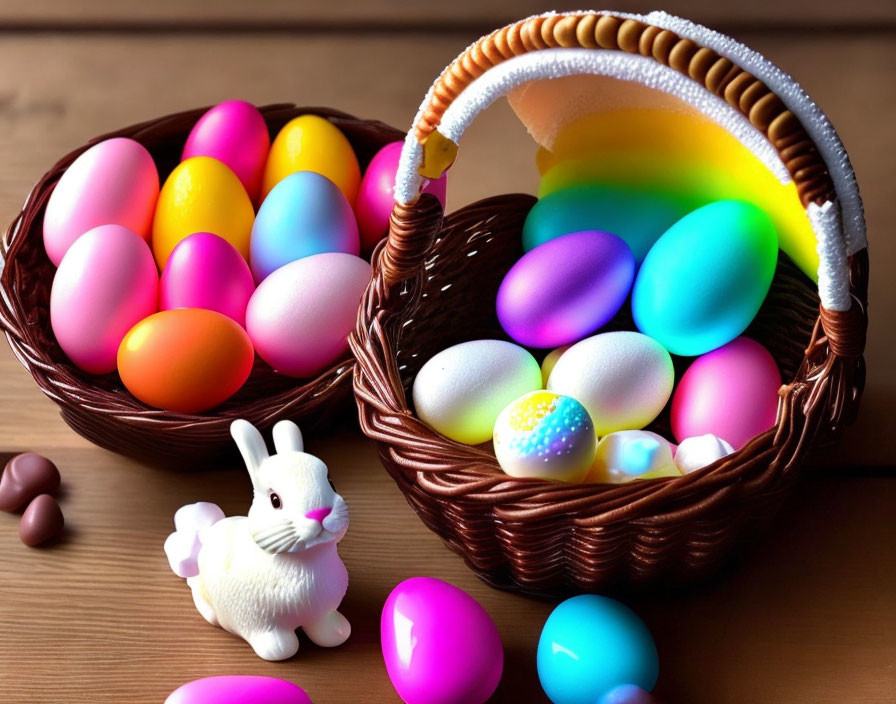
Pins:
x: 99, y: 408
x: 433, y: 283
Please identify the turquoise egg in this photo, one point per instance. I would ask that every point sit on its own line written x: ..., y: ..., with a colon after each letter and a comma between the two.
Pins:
x: 637, y: 217
x: 591, y: 645
x: 705, y: 279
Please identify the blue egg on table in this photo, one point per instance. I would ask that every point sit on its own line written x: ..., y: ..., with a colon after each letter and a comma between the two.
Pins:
x: 304, y: 214
x: 591, y: 645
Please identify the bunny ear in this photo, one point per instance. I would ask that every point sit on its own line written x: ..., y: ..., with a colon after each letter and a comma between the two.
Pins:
x: 288, y: 437
x: 250, y: 444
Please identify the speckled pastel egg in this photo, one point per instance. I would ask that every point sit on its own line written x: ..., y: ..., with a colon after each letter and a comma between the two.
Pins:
x: 304, y: 214
x: 376, y: 197
x: 544, y: 435
x: 201, y: 195
x: 461, y: 390
x: 627, y: 455
x: 565, y: 289
x: 623, y: 379
x: 439, y: 645
x: 235, y: 133
x: 205, y: 271
x: 731, y: 392
x: 238, y: 689
x: 113, y: 182
x: 300, y: 316
x: 705, y: 279
x: 106, y: 282
x: 591, y: 645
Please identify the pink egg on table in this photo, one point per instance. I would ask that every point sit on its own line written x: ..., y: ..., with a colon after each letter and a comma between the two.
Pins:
x: 375, y: 197
x: 206, y: 271
x: 439, y: 644
x: 106, y: 283
x: 731, y: 392
x: 239, y: 689
x: 235, y: 133
x: 113, y: 182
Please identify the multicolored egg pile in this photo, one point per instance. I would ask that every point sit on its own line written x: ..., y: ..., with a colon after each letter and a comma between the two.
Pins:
x: 249, y: 246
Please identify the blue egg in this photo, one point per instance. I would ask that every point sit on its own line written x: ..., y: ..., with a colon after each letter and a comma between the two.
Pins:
x: 591, y: 645
x: 304, y: 214
x: 705, y: 279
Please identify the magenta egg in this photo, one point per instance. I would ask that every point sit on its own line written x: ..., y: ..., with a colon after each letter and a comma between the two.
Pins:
x: 439, y: 644
x: 731, y: 392
x: 239, y: 689
x: 565, y: 289
x: 375, y: 195
x: 206, y: 271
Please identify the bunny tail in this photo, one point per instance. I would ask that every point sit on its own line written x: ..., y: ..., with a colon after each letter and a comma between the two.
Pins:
x: 182, y: 546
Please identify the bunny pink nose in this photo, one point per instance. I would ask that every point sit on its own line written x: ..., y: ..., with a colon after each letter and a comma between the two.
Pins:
x: 319, y: 514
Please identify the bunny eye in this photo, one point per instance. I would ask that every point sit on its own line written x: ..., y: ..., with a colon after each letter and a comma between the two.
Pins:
x: 275, y: 501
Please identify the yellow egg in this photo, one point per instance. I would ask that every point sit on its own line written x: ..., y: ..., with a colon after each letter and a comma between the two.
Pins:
x: 311, y: 143
x: 201, y: 195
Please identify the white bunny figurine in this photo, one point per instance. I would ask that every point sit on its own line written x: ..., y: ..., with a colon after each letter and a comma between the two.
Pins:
x: 263, y: 576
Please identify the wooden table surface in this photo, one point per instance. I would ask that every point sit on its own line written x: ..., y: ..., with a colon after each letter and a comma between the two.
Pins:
x: 806, y: 615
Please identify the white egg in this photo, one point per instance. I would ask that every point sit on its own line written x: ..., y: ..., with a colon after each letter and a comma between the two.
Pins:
x: 700, y: 451
x: 632, y: 454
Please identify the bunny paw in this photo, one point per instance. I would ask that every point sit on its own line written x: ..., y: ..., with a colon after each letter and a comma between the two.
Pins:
x: 275, y: 645
x: 330, y: 631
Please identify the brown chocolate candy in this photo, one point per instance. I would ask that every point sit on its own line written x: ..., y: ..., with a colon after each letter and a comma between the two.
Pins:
x: 26, y: 476
x: 42, y: 521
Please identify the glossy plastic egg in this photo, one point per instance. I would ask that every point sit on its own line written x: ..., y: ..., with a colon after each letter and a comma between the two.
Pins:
x: 235, y: 133
x: 238, y: 689
x: 440, y: 646
x: 106, y: 282
x: 304, y: 214
x: 201, y: 195
x: 113, y: 182
x: 460, y: 391
x: 700, y: 451
x: 300, y: 316
x: 590, y: 645
x: 622, y: 378
x: 627, y: 694
x: 545, y: 436
x: 565, y: 289
x: 627, y: 455
x: 731, y: 392
x: 376, y: 198
x: 311, y: 143
x: 205, y: 271
x: 705, y: 279
x: 185, y: 360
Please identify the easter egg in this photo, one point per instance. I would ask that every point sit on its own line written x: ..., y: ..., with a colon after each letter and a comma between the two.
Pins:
x: 628, y: 694
x: 622, y: 378
x: 185, y: 360
x: 304, y: 214
x: 113, y: 182
x: 705, y: 279
x: 300, y: 316
x: 106, y: 282
x: 201, y: 195
x: 731, y: 392
x: 440, y: 646
x: 461, y: 390
x: 234, y: 133
x: 238, y: 689
x: 376, y: 198
x: 565, y: 289
x: 311, y: 143
x: 632, y: 454
x: 549, y: 361
x: 589, y: 646
x: 700, y: 451
x: 545, y: 436
x: 637, y: 217
x: 205, y: 271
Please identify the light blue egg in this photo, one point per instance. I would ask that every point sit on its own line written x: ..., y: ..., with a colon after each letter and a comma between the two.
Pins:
x: 705, y: 279
x: 304, y: 214
x: 590, y: 645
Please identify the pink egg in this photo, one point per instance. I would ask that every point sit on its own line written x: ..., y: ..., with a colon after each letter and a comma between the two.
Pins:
x: 206, y: 271
x: 235, y: 133
x: 439, y: 644
x: 106, y: 283
x: 238, y: 689
x: 731, y: 392
x: 113, y: 182
x: 375, y: 197
x: 300, y: 316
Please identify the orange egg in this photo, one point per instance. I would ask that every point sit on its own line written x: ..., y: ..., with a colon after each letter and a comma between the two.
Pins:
x: 185, y: 360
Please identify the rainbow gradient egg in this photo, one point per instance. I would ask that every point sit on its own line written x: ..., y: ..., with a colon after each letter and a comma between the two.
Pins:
x: 544, y: 435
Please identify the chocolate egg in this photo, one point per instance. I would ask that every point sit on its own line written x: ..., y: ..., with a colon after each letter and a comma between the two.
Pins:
x: 41, y: 522
x: 26, y: 476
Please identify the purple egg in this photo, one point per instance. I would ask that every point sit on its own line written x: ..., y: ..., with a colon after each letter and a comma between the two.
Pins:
x: 565, y: 289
